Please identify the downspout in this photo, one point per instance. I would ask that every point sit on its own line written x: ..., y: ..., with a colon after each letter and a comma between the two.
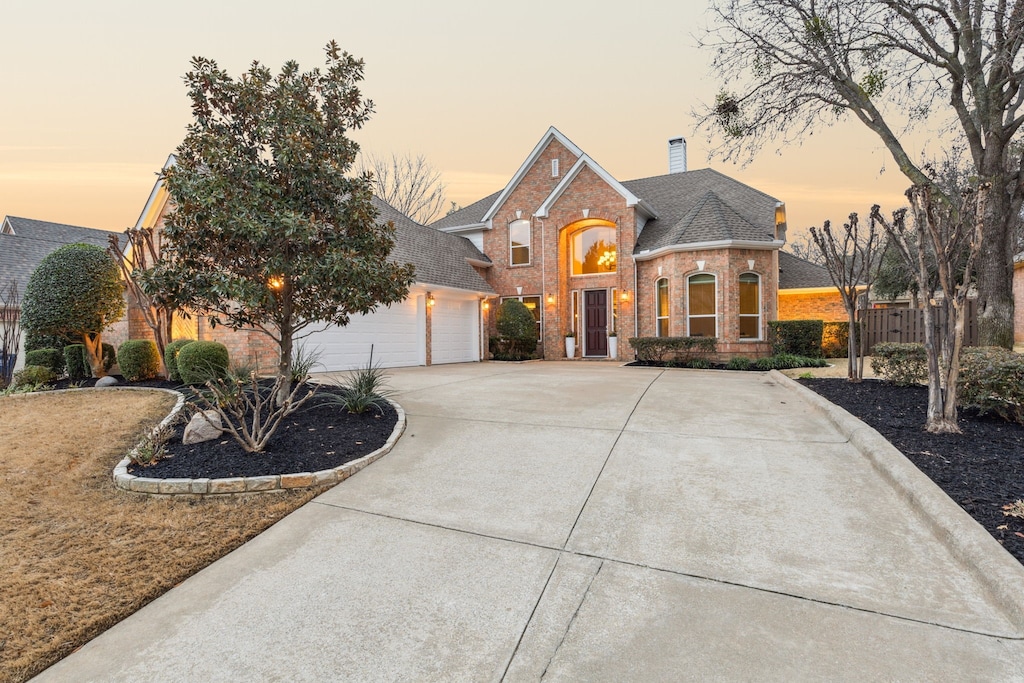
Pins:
x: 636, y: 292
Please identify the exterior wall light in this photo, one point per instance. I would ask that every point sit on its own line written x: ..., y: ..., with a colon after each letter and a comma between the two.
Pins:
x: 625, y: 295
x: 486, y: 305
x: 551, y: 299
x: 276, y: 282
x: 430, y: 299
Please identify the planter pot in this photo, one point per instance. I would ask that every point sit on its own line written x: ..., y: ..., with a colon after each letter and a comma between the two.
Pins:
x: 570, y: 347
x: 613, y: 347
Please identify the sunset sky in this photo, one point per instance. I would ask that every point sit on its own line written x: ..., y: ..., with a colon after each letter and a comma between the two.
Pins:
x: 93, y: 98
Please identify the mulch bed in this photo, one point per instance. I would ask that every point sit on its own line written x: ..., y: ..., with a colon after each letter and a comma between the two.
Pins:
x: 319, y: 436
x: 981, y: 469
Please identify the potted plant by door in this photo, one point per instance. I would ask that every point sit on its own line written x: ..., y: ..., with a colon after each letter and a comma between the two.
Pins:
x: 613, y: 344
x: 570, y: 344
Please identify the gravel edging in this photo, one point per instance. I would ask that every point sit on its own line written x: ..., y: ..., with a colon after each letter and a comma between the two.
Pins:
x: 202, y: 488
x: 995, y: 568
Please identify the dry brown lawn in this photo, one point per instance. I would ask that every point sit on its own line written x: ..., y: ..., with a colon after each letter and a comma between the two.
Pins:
x: 836, y: 368
x: 76, y: 554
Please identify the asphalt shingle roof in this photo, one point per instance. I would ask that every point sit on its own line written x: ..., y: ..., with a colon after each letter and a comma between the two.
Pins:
x: 467, y: 215
x: 702, y: 206
x: 32, y: 241
x: 798, y: 273
x: 439, y: 258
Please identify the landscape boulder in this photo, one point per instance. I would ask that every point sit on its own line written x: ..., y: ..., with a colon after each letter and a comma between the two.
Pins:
x: 204, y: 426
x: 106, y: 381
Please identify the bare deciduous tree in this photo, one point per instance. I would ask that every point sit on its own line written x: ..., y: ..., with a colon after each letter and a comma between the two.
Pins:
x: 136, y: 254
x: 803, y: 246
x: 790, y: 66
x: 850, y: 261
x: 10, y: 331
x: 408, y: 183
x: 950, y: 238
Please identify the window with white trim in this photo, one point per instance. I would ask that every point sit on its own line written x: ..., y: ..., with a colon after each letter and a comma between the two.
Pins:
x: 750, y: 306
x: 519, y: 242
x: 661, y: 306
x: 702, y: 305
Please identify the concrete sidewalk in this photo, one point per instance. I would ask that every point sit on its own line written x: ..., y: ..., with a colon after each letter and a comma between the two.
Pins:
x: 584, y: 522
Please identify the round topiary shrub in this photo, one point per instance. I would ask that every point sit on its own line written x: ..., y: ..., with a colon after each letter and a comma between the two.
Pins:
x: 201, y: 361
x: 76, y: 363
x: 171, y: 358
x: 139, y: 359
x: 517, y: 331
x: 48, y: 358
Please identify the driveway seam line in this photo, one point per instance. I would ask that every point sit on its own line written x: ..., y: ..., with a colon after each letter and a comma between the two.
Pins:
x: 609, y: 457
x: 572, y: 621
x: 529, y: 620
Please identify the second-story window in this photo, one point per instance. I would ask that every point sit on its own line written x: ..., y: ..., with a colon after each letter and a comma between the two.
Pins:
x: 519, y: 242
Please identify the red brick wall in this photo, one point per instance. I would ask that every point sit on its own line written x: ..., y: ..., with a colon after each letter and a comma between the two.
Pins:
x: 827, y: 306
x: 1018, y: 301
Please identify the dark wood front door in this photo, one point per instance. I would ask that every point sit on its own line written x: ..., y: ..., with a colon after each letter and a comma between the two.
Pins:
x: 595, y: 305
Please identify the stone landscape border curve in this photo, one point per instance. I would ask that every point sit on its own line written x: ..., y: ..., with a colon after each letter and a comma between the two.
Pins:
x: 234, y: 486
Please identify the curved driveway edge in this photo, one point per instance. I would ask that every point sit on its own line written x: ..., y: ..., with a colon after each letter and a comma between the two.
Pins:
x: 995, y: 568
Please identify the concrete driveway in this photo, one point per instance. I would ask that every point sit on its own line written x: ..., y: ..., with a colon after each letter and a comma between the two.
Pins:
x: 583, y: 522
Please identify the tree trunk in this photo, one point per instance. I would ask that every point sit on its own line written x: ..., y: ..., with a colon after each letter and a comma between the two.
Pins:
x: 995, y: 260
x: 284, y: 363
x: 94, y: 350
x: 853, y: 367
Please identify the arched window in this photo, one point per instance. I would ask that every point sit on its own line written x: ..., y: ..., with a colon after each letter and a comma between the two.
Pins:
x: 661, y: 306
x: 702, y: 306
x: 593, y: 251
x: 519, y: 242
x: 750, y: 306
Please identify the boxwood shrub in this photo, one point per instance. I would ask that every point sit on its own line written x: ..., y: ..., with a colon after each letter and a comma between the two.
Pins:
x: 139, y: 359
x: 201, y: 361
x: 171, y: 358
x: 682, y: 351
x: 48, y: 358
x: 992, y: 380
x: 796, y: 337
x: 75, y: 362
x: 901, y: 364
x: 517, y: 332
x: 33, y: 375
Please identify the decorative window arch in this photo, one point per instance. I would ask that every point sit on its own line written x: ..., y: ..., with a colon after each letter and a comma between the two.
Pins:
x: 594, y: 250
x: 661, y: 307
x: 750, y: 306
x: 519, y: 242
x: 702, y: 305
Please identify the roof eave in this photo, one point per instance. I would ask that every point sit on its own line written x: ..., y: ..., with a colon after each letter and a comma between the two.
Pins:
x: 646, y: 255
x: 469, y: 227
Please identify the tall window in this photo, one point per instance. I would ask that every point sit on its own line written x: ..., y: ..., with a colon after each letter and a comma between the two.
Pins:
x: 661, y: 306
x: 750, y: 306
x: 593, y: 251
x: 702, y: 305
x: 519, y: 242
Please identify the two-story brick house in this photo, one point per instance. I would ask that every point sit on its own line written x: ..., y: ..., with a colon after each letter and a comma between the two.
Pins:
x: 688, y: 253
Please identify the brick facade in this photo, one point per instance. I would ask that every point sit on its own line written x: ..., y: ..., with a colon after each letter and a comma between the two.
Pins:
x: 1018, y: 299
x: 795, y: 304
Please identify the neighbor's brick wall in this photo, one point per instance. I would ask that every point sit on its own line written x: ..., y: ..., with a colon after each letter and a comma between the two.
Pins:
x: 794, y: 305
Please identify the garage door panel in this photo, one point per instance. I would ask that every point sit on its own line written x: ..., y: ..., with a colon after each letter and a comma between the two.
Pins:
x: 455, y: 330
x: 392, y: 332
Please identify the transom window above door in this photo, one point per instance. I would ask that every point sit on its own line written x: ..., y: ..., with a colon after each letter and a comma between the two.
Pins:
x: 519, y: 242
x: 593, y: 251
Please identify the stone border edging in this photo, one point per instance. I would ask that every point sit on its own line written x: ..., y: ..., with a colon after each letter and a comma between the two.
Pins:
x: 999, y: 572
x: 237, y: 485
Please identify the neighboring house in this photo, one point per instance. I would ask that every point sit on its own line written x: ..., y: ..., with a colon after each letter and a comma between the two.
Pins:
x: 439, y: 322
x: 25, y: 242
x: 806, y: 291
x: 690, y: 253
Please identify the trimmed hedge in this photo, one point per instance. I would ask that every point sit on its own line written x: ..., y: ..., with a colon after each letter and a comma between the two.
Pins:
x: 517, y: 332
x: 992, y: 380
x: 47, y: 358
x: 139, y: 359
x: 171, y: 358
x: 785, y: 361
x: 796, y: 337
x: 201, y: 361
x: 683, y: 351
x: 835, y: 340
x: 901, y: 364
x: 75, y: 362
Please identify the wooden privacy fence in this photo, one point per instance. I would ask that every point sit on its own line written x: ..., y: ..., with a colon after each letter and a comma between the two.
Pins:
x: 906, y: 325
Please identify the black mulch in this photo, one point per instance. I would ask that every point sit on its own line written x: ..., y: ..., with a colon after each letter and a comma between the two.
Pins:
x: 319, y: 436
x: 981, y: 469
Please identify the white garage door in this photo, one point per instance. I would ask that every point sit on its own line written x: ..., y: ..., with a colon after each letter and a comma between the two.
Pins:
x: 396, y: 333
x: 454, y: 331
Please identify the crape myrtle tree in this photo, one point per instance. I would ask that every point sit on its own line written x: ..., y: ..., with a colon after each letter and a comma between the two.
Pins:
x: 940, y: 247
x: 269, y: 229
x: 75, y: 293
x: 849, y: 257
x: 408, y: 183
x: 790, y: 66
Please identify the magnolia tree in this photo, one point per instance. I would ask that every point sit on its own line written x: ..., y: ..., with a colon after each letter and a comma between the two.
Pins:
x: 850, y: 261
x: 269, y: 228
x: 76, y: 293
x: 949, y: 237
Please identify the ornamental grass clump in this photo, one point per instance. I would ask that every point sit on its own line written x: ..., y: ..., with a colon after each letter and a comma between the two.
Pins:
x: 362, y: 389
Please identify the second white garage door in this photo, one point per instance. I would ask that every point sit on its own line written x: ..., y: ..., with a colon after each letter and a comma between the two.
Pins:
x: 396, y: 333
x: 454, y: 331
